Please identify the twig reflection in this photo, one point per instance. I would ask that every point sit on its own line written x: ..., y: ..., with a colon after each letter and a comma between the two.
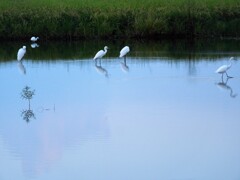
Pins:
x: 42, y: 109
x: 28, y: 114
x: 28, y: 94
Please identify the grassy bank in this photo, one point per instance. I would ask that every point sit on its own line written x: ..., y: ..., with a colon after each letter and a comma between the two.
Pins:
x: 76, y: 19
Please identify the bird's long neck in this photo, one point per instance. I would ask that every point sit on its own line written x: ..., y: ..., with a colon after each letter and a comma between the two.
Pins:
x: 230, y: 63
x: 105, y: 51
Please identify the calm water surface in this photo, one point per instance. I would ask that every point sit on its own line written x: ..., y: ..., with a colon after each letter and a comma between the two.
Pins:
x: 164, y: 114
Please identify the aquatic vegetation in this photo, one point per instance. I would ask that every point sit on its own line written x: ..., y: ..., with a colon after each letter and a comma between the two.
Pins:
x: 28, y: 113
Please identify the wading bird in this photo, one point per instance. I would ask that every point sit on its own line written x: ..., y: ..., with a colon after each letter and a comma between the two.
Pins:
x: 224, y: 68
x: 124, y: 52
x: 100, y: 54
x: 21, y: 53
x: 34, y: 39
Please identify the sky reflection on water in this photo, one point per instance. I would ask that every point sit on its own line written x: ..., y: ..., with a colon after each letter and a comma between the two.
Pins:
x: 148, y: 118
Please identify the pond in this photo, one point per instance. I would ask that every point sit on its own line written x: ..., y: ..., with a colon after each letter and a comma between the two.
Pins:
x: 162, y: 114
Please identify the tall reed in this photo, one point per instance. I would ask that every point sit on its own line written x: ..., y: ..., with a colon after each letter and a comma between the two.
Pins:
x: 77, y: 19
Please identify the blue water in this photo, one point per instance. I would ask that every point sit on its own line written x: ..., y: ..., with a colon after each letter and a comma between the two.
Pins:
x: 156, y: 117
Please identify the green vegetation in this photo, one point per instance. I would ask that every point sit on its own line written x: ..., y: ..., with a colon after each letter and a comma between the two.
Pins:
x: 76, y: 19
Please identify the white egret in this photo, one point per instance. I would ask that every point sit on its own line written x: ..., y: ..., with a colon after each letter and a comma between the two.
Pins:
x: 34, y: 39
x: 101, y: 53
x: 21, y: 53
x: 124, y: 51
x: 224, y: 68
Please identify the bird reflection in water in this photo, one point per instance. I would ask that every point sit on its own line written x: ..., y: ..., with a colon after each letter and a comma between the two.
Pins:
x: 28, y: 113
x: 124, y: 65
x: 100, y: 69
x: 21, y: 67
x: 223, y: 85
x: 34, y: 45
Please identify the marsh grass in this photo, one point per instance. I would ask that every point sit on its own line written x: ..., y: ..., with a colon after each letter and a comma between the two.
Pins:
x: 77, y: 19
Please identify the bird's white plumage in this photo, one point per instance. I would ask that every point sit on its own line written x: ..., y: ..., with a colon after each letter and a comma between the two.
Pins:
x: 223, y: 69
x: 34, y: 39
x: 124, y: 51
x: 21, y: 53
x: 101, y: 53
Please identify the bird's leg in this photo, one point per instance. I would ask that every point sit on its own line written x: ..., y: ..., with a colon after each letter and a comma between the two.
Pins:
x: 228, y: 75
x: 226, y: 81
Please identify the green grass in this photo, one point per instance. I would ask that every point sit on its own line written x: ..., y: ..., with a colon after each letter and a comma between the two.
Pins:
x: 75, y: 19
